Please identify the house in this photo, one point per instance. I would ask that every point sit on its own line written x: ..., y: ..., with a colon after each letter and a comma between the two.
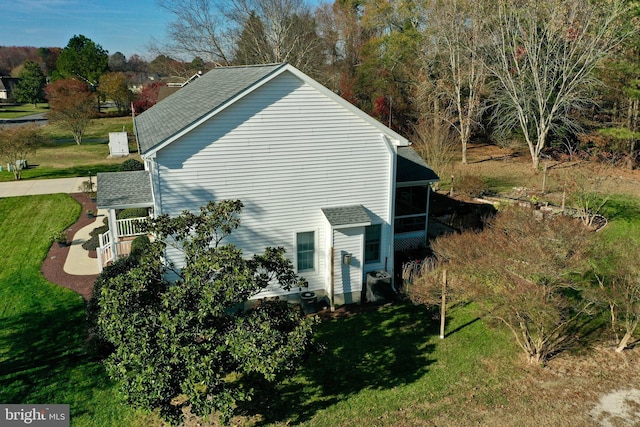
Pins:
x: 7, y: 87
x: 339, y: 190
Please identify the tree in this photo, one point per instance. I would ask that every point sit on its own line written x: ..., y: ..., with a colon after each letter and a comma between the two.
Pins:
x: 147, y: 97
x: 114, y: 87
x: 189, y: 343
x: 71, y: 105
x: 30, y: 88
x: 618, y: 276
x: 83, y: 59
x: 118, y: 62
x: 455, y: 30
x: 18, y: 142
x: 525, y: 271
x: 542, y: 56
x: 201, y: 28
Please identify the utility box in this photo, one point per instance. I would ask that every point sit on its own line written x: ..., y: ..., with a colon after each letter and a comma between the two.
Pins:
x: 118, y: 144
x: 379, y: 286
x: 309, y: 301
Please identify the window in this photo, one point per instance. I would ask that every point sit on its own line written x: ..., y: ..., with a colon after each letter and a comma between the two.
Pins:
x: 372, y: 240
x: 305, y: 246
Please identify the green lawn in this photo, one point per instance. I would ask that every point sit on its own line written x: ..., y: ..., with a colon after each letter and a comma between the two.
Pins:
x: 22, y: 110
x: 42, y: 326
x: 61, y: 157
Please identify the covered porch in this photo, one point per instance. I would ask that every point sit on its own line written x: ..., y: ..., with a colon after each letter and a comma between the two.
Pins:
x: 118, y: 191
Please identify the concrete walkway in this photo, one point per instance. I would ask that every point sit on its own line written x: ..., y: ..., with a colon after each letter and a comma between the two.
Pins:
x: 78, y: 262
x: 42, y: 186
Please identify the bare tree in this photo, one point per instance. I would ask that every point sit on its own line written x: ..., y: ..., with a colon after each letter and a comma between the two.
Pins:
x: 542, y: 55
x: 619, y: 288
x: 456, y: 30
x: 16, y: 143
x: 200, y: 28
x: 226, y: 32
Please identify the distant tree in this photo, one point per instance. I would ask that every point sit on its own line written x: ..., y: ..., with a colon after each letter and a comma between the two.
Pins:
x: 189, y: 343
x: 525, y: 271
x: 147, y: 97
x: 137, y: 64
x: 83, y: 59
x: 49, y: 57
x: 118, y: 62
x: 30, y: 88
x: 17, y: 143
x: 113, y: 86
x: 71, y: 105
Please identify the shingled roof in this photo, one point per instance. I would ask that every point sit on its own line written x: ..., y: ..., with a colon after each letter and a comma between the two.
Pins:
x: 195, y: 100
x: 412, y: 167
x: 117, y: 190
x: 347, y: 215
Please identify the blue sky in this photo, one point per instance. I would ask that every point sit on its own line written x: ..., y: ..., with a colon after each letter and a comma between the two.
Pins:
x: 125, y: 26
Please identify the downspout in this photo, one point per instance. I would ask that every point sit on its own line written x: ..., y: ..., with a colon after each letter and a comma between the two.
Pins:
x: 393, y: 153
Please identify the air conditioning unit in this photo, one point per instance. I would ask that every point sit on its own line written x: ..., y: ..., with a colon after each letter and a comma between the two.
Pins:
x: 379, y: 286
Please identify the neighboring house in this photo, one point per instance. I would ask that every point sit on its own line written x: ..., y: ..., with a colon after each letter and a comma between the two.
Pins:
x: 7, y: 86
x: 337, y: 189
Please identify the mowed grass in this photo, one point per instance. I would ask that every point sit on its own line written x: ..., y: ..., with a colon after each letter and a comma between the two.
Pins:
x: 22, y: 110
x: 389, y: 367
x: 42, y: 326
x: 61, y: 157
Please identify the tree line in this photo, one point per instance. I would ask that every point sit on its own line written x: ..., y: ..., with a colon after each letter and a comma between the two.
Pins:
x: 552, y: 74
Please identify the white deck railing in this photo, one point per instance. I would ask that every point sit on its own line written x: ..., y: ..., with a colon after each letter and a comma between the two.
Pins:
x: 130, y: 226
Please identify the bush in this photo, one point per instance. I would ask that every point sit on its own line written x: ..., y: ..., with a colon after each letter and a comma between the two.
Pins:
x: 131, y: 165
x: 93, y: 243
x: 138, y: 246
x: 470, y: 186
x: 132, y: 213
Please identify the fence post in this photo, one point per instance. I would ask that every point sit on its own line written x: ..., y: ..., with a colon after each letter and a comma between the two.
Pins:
x: 443, y: 305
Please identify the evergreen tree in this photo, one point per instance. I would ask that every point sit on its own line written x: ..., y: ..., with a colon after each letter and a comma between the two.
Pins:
x: 30, y: 88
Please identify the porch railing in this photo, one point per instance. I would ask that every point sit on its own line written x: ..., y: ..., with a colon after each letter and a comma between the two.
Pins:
x: 129, y: 227
x: 125, y: 228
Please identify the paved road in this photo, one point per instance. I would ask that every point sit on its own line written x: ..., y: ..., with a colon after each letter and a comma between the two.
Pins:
x: 42, y: 186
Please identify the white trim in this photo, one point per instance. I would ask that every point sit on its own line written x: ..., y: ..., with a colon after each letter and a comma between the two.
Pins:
x: 315, y: 269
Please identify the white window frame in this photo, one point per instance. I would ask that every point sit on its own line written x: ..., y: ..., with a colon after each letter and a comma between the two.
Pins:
x: 315, y: 251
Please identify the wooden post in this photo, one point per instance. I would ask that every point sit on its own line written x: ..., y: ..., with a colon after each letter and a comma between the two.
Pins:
x: 443, y: 304
x: 544, y: 178
x: 333, y: 308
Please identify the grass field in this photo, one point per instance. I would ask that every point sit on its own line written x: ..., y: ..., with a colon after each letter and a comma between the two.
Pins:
x: 61, y: 157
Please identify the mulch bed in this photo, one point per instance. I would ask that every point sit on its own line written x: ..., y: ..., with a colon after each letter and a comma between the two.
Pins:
x: 53, y: 265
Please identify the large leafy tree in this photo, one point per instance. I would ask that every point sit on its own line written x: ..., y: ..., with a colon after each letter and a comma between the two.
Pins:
x: 30, y: 88
x: 188, y: 342
x: 83, y: 59
x: 18, y: 142
x: 72, y: 105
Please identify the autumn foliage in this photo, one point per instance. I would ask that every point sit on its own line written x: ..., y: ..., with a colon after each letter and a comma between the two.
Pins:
x: 72, y: 105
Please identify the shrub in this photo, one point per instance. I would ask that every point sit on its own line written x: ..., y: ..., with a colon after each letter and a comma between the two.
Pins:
x: 131, y: 165
x: 138, y: 246
x: 93, y: 243
x: 471, y: 186
x: 132, y: 213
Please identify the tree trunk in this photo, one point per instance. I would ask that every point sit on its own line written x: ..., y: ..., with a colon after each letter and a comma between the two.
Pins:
x: 623, y: 342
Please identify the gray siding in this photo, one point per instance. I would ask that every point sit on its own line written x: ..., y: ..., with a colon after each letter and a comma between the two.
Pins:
x: 286, y: 151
